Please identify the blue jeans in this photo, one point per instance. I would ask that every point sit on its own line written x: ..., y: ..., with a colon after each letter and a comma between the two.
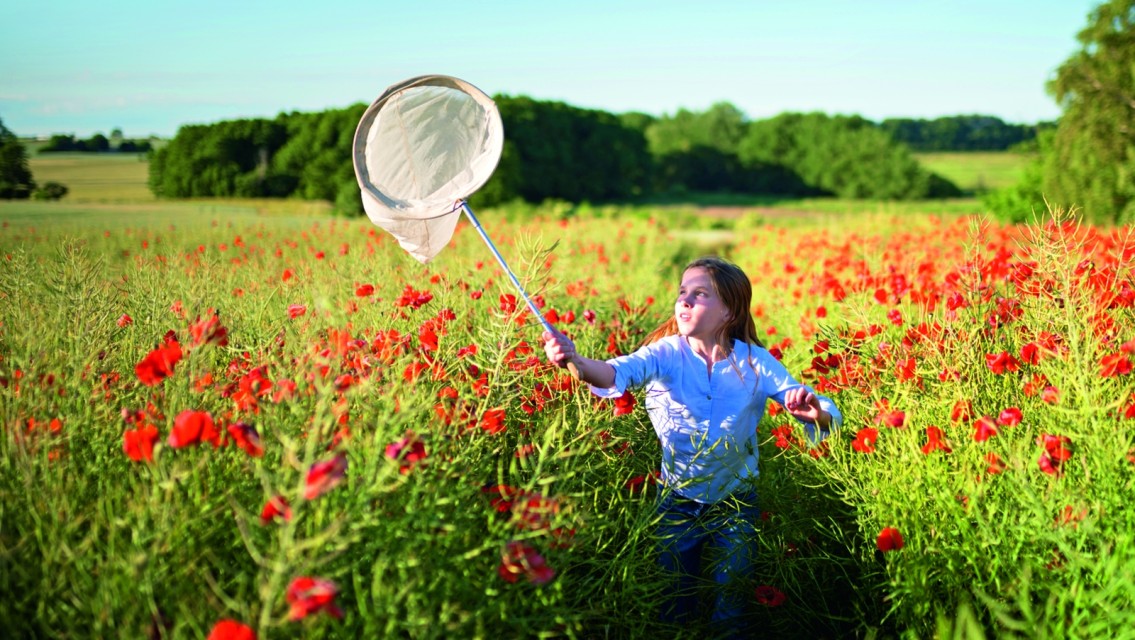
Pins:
x: 727, y: 530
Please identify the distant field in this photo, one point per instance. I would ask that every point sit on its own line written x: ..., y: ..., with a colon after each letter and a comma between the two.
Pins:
x: 977, y: 171
x: 95, y: 177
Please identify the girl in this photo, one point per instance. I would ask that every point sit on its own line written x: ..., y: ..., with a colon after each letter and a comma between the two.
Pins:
x: 706, y: 378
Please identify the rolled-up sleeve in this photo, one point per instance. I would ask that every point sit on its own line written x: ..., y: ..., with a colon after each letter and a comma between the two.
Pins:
x: 635, y: 369
x: 778, y: 381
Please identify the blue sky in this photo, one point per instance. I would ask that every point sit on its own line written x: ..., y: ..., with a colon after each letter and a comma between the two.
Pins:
x: 147, y: 67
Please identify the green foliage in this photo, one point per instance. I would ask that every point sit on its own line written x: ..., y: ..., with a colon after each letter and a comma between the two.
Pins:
x: 1023, y: 201
x: 50, y: 191
x: 1092, y: 163
x: 230, y: 158
x: 846, y: 156
x: 316, y: 161
x: 97, y: 143
x: 959, y: 133
x: 720, y: 127
x: 554, y: 150
x: 16, y: 180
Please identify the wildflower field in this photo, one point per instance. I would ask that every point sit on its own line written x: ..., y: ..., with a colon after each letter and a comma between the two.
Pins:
x: 223, y: 421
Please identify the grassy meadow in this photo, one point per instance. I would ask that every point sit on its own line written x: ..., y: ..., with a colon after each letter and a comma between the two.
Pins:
x: 92, y: 177
x: 252, y: 416
x: 977, y: 171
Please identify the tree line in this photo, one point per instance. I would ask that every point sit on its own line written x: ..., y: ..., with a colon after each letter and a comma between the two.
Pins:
x: 554, y: 150
x: 16, y: 180
x: 962, y: 133
x: 97, y: 143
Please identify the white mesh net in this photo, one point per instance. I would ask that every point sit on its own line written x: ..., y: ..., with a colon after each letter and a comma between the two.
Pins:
x: 420, y: 147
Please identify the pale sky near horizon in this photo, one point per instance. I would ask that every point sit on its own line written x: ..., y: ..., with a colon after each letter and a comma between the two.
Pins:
x: 148, y: 67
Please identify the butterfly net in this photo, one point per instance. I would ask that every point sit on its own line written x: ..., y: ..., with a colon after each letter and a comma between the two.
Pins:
x: 422, y: 147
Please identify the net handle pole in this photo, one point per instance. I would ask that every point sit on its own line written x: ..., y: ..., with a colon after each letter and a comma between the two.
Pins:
x: 511, y: 276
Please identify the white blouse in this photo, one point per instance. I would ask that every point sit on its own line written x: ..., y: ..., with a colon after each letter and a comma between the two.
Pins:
x: 707, y: 424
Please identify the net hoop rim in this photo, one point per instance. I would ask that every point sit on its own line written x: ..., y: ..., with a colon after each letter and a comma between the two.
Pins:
x: 367, y: 119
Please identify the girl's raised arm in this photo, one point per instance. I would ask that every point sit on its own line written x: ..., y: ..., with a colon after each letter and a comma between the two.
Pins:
x: 561, y: 350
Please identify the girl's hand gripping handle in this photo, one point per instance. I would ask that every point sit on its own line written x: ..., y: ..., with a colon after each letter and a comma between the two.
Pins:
x: 561, y: 351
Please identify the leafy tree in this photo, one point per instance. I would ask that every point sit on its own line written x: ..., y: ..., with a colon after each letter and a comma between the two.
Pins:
x: 98, y: 143
x: 50, y: 191
x: 846, y: 156
x: 230, y: 158
x: 16, y: 181
x: 316, y: 162
x: 1092, y: 162
x: 553, y: 150
x: 720, y: 127
x: 959, y: 133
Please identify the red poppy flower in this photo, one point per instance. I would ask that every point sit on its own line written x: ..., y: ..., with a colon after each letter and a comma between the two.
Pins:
x: 865, y: 440
x: 324, y: 476
x: 625, y: 403
x: 502, y: 496
x: 893, y: 419
x: 1056, y: 451
x: 408, y: 451
x: 193, y: 427
x: 427, y: 338
x: 246, y: 437
x: 275, y: 507
x: 1003, y: 362
x: 285, y: 390
x: 1115, y: 364
x: 159, y: 363
x: 962, y: 411
x: 139, y: 443
x: 769, y: 596
x: 995, y: 464
x: 307, y: 596
x: 208, y: 330
x: 887, y: 416
x: 905, y: 369
x: 412, y: 298
x: 507, y: 303
x: 1030, y: 353
x: 534, y: 511
x: 413, y: 370
x: 984, y: 429
x: 889, y: 539
x: 934, y: 441
x: 783, y: 436
x: 638, y: 484
x: 1010, y: 417
x: 231, y: 630
x: 519, y: 559
x: 493, y: 420
x: 1059, y: 447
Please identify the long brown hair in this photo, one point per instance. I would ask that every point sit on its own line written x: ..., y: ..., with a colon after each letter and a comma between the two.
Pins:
x: 733, y: 287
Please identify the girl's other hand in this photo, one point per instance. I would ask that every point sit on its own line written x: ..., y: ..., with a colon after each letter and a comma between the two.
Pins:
x: 803, y: 404
x: 559, y: 349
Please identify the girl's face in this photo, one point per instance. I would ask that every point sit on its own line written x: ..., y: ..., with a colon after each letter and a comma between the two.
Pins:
x: 699, y: 311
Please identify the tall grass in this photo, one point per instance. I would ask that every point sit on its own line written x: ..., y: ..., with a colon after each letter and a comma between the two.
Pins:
x: 337, y: 344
